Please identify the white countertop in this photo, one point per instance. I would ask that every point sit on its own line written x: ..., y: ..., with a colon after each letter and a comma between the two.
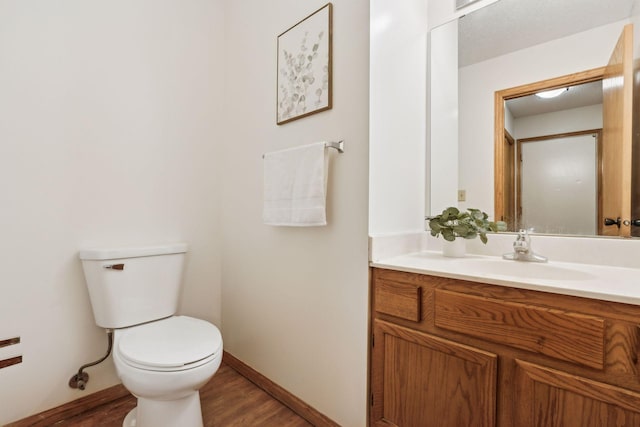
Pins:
x: 618, y: 284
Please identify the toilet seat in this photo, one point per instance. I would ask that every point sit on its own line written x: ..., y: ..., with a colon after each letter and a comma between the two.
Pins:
x: 172, y: 344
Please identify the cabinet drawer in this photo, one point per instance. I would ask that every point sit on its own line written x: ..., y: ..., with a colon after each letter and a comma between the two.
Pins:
x: 559, y: 334
x: 398, y: 299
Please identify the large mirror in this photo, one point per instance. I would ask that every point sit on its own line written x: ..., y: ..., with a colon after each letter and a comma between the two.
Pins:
x: 507, y: 52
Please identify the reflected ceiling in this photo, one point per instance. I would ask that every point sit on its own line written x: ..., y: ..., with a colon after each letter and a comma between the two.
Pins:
x: 577, y: 96
x: 528, y: 23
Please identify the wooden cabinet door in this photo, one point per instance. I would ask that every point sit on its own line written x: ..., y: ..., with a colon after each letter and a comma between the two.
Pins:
x: 547, y: 397
x: 419, y: 380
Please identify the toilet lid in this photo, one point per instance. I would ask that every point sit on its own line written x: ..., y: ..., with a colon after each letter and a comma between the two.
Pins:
x: 169, y: 343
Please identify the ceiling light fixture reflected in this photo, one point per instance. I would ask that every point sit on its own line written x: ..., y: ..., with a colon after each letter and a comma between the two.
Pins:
x: 552, y: 93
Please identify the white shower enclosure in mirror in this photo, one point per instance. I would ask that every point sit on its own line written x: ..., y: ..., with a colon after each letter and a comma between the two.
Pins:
x: 507, y: 44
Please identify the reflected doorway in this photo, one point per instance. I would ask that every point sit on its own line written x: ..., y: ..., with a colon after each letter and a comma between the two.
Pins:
x: 558, y: 179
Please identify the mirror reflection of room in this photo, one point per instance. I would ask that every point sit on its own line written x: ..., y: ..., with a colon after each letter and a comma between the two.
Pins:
x: 560, y: 182
x: 515, y: 43
x: 553, y: 161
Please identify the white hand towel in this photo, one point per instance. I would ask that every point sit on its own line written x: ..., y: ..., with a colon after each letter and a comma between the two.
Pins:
x: 295, y: 186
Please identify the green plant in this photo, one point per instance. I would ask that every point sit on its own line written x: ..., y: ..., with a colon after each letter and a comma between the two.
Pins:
x: 452, y: 223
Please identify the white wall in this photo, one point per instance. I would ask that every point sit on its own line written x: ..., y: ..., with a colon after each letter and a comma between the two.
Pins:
x: 442, y: 167
x: 109, y: 127
x: 565, y: 121
x: 403, y: 158
x: 397, y: 129
x: 295, y: 300
x: 399, y: 177
x: 478, y: 83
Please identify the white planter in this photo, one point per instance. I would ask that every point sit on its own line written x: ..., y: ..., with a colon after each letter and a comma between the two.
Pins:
x: 455, y: 249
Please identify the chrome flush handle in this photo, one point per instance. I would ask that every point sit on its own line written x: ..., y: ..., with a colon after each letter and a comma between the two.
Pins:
x: 114, y: 266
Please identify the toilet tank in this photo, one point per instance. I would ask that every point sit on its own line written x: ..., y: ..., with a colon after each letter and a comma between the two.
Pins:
x: 128, y: 286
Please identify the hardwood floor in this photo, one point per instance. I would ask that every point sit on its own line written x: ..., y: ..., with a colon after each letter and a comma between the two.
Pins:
x: 228, y: 400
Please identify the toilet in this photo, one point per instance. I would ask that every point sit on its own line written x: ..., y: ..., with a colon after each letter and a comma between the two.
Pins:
x: 161, y: 358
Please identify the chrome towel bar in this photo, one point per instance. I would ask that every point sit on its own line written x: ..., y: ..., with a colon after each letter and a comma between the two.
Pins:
x: 332, y: 144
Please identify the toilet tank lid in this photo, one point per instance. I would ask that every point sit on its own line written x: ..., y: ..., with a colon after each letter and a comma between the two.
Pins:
x: 132, y: 252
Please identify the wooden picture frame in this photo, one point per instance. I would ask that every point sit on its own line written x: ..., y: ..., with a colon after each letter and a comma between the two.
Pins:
x: 304, y: 67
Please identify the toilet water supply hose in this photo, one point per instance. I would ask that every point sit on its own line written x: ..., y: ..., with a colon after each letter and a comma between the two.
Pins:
x: 81, y: 379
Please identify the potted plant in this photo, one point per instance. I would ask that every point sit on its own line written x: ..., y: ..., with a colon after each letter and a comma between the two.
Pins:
x: 453, y: 224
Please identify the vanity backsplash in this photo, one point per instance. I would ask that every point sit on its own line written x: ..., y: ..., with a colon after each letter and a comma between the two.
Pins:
x: 582, y: 250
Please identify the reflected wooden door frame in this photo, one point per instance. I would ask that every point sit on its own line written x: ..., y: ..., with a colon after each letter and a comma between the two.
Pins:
x: 510, y: 211
x: 501, y: 96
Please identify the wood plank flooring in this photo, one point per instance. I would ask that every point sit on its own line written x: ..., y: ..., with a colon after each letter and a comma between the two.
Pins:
x: 228, y: 400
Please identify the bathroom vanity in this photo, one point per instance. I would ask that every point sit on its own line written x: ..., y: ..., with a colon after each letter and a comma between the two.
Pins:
x: 451, y: 347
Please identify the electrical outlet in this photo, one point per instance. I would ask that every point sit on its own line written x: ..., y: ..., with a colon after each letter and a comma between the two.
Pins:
x: 462, y: 195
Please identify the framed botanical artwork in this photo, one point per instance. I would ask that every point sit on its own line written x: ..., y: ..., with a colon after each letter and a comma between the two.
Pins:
x: 304, y: 67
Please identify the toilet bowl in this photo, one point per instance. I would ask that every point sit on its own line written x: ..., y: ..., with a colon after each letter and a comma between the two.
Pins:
x: 164, y: 364
x: 161, y: 358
